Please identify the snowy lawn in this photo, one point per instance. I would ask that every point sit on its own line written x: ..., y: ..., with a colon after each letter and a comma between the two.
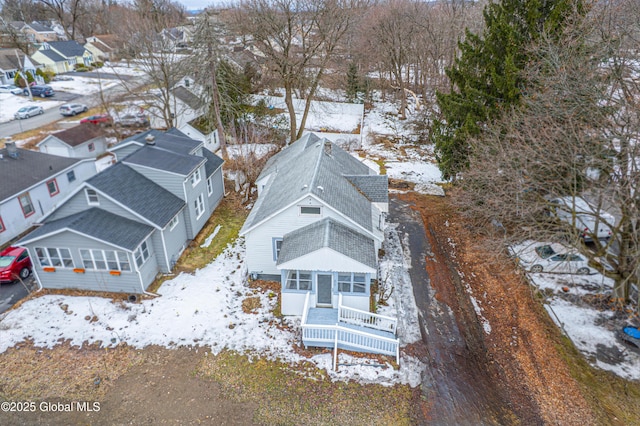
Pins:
x: 200, y: 309
x: 9, y: 104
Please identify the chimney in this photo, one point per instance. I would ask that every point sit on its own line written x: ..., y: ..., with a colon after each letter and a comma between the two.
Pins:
x: 12, y: 150
x: 151, y: 140
x: 327, y: 147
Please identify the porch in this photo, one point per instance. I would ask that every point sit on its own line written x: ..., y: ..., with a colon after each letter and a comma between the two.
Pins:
x: 349, y: 329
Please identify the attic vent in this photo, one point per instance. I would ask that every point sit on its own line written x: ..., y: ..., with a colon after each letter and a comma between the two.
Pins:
x: 305, y: 186
x: 327, y: 147
x: 12, y: 150
x: 320, y: 188
x: 151, y: 140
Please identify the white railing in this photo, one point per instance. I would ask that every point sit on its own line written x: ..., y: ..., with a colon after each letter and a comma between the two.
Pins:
x: 366, y: 319
x: 339, y: 336
x: 305, y: 309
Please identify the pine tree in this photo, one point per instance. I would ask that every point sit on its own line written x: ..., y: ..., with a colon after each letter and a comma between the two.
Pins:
x: 486, y: 79
x: 353, y: 83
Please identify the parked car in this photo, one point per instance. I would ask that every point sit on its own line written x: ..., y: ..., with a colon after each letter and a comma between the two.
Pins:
x: 14, y: 263
x: 26, y: 112
x: 73, y: 109
x: 99, y: 119
x: 43, y: 91
x: 132, y: 120
x: 580, y: 213
x: 553, y: 258
x: 62, y: 78
x: 10, y: 88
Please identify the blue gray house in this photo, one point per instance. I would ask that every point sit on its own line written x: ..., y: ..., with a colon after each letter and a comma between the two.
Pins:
x: 125, y: 225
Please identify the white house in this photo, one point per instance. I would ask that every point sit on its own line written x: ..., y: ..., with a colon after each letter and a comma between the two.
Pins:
x: 33, y: 184
x: 187, y: 104
x: 85, y: 140
x: 196, y: 129
x: 317, y: 226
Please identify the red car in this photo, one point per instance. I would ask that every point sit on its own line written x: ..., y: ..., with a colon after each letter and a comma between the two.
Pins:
x: 100, y: 119
x: 14, y: 263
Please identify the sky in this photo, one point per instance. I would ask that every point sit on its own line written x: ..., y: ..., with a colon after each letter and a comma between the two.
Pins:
x: 201, y: 4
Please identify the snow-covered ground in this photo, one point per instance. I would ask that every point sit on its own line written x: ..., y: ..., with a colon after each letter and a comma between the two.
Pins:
x: 9, y: 104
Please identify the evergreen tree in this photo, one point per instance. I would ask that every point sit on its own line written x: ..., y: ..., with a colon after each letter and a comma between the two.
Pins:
x: 486, y: 78
x: 353, y: 83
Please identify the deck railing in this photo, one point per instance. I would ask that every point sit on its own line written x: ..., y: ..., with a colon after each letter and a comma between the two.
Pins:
x: 366, y: 319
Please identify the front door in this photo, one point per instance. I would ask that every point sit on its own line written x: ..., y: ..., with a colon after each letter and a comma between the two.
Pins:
x: 324, y: 289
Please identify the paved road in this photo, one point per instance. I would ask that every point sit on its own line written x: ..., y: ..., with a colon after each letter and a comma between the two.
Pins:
x: 18, y: 126
x: 11, y: 293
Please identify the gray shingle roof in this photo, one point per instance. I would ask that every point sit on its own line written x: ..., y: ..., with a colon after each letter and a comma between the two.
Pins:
x: 68, y: 49
x: 213, y: 162
x: 40, y: 28
x: 99, y: 224
x: 52, y: 55
x: 9, y: 60
x: 30, y: 168
x: 186, y: 96
x: 172, y: 141
x: 331, y: 234
x: 138, y: 193
x: 374, y: 187
x: 164, y: 159
x: 316, y: 168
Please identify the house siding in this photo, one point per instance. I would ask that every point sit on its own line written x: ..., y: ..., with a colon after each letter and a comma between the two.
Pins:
x: 78, y: 203
x: 121, y: 153
x: 259, y: 240
x: 55, y: 146
x: 194, y: 223
x: 217, y: 183
x: 176, y: 240
x: 43, y: 203
x: 127, y: 282
x: 169, y: 181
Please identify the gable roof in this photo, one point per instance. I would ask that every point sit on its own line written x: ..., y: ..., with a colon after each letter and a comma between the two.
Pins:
x: 68, y: 49
x: 328, y: 233
x: 9, y: 60
x: 30, y: 168
x: 374, y: 187
x: 101, y: 46
x: 213, y: 162
x: 138, y: 193
x: 186, y: 96
x: 79, y: 134
x: 38, y: 27
x: 98, y: 224
x: 313, y: 167
x: 54, y: 56
x: 163, y: 159
x: 169, y: 140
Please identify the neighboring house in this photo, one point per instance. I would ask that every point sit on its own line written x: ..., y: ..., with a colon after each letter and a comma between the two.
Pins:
x: 63, y: 56
x: 177, y: 37
x: 317, y: 226
x: 198, y: 129
x: 35, y: 32
x: 33, y: 184
x: 105, y: 47
x: 85, y: 140
x: 10, y: 65
x: 131, y: 221
x: 187, y: 104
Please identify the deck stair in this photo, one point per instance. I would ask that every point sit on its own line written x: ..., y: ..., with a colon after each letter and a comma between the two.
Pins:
x: 349, y: 329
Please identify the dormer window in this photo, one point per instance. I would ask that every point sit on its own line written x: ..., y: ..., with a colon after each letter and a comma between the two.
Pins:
x: 195, y: 178
x: 92, y: 197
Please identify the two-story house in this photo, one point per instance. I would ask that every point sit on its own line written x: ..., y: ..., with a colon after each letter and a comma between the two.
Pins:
x: 33, y: 184
x: 62, y: 56
x: 131, y: 221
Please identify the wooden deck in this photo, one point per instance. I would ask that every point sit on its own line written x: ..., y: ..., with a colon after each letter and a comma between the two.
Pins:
x: 326, y: 317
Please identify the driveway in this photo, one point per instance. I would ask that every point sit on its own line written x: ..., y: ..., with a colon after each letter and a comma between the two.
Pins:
x: 12, y: 293
x: 455, y: 382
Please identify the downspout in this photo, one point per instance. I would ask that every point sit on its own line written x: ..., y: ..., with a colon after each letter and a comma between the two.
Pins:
x: 33, y: 268
x: 164, y: 249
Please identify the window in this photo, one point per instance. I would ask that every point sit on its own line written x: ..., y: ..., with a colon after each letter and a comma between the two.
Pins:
x: 91, y: 147
x: 57, y: 257
x: 199, y: 205
x: 25, y: 203
x: 103, y: 260
x: 71, y: 176
x: 2, y: 228
x: 352, y: 283
x: 52, y: 187
x: 310, y: 210
x: 173, y: 223
x: 92, y: 197
x: 209, y: 187
x: 277, y: 246
x: 195, y: 177
x: 299, y: 280
x: 142, y: 254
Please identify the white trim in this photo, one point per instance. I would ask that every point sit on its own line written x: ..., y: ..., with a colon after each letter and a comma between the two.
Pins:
x: 33, y: 240
x: 89, y: 202
x: 198, y: 216
x: 57, y: 249
x: 134, y: 165
x: 164, y: 249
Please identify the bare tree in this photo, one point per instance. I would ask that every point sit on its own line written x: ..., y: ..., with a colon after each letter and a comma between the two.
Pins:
x: 575, y: 136
x: 68, y: 12
x: 298, y: 38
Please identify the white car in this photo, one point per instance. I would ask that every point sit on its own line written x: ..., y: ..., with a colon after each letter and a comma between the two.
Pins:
x: 30, y: 111
x: 543, y: 257
x: 73, y: 109
x: 10, y: 88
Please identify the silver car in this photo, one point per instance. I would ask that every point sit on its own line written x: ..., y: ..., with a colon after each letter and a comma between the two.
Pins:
x: 30, y: 111
x: 10, y: 88
x: 73, y: 109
